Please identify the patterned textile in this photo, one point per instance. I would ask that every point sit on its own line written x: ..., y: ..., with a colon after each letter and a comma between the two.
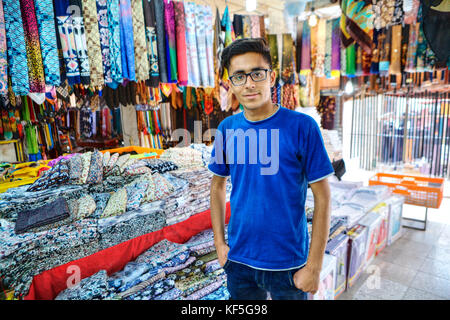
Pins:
x: 67, y: 39
x: 305, y: 64
x: 34, y: 57
x: 127, y: 40
x: 96, y: 168
x: 75, y: 168
x: 47, y: 36
x: 117, y: 204
x: 193, y: 68
x: 209, y: 44
x: 220, y: 294
x: 17, y: 55
x: 327, y: 59
x: 161, y: 40
x: 255, y: 28
x: 80, y: 36
x: 356, y: 23
x: 3, y: 54
x: 140, y: 47
x: 86, y: 163
x: 287, y: 63
x: 410, y: 9
x: 101, y: 200
x: 86, y: 207
x: 171, y: 48
x: 335, y: 49
x: 318, y: 48
x: 152, y: 43
x: 273, y: 45
x: 200, y: 29
x: 412, y: 47
x: 180, y: 28
x: 135, y: 195
x: 113, y: 13
x: 384, y: 13
x: 57, y: 175
x: 94, y: 287
x: 103, y: 29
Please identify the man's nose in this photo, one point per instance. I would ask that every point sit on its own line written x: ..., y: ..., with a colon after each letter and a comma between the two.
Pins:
x: 250, y: 83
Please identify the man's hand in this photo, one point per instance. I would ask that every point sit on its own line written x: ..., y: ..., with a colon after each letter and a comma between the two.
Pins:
x: 222, y: 253
x: 307, y: 279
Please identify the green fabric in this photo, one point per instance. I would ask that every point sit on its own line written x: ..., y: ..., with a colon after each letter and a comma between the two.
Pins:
x: 350, y: 55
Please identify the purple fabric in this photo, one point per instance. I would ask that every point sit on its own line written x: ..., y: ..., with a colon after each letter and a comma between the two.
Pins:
x: 305, y: 64
x: 55, y: 161
x: 335, y: 47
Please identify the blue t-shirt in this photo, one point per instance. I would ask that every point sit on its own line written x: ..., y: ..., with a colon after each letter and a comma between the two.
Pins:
x: 270, y: 173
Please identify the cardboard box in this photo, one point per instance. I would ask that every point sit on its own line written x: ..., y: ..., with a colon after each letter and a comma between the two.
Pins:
x: 338, y: 247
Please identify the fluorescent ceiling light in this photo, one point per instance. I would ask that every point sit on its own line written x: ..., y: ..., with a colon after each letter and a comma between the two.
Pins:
x: 250, y: 5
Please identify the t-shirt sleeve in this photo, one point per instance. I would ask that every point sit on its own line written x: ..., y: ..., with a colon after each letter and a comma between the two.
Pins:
x: 317, y: 162
x: 217, y: 163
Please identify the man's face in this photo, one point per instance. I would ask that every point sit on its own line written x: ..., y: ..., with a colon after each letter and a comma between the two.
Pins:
x: 252, y: 94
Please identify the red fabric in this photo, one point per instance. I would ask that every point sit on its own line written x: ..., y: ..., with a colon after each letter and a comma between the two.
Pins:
x: 48, y: 284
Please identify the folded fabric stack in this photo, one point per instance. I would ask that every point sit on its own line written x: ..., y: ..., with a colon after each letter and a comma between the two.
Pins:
x: 368, y: 197
x: 166, y: 271
x: 205, y: 150
x: 28, y: 254
x: 160, y: 166
x: 183, y: 157
x: 195, y: 199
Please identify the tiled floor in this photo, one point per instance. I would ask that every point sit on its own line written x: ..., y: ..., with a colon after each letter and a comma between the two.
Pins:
x: 416, y: 266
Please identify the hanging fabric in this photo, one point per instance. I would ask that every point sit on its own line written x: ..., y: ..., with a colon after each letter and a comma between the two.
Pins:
x: 200, y: 29
x: 140, y: 47
x: 127, y: 40
x: 318, y: 48
x: 161, y: 40
x: 262, y: 27
x: 327, y: 59
x: 247, y: 26
x: 47, y: 38
x: 67, y: 39
x: 404, y: 44
x: 396, y: 40
x: 335, y: 49
x: 209, y: 45
x: 255, y: 28
x: 152, y: 46
x: 357, y: 23
x: 226, y: 25
x: 412, y: 47
x: 350, y: 55
x: 343, y: 61
x: 17, y: 55
x: 171, y: 46
x: 180, y: 28
x: 79, y: 30
x: 104, y: 35
x: 194, y: 79
x: 3, y: 54
x: 273, y: 46
x: 115, y: 53
x: 238, y: 25
x: 410, y: 9
x: 94, y: 51
x: 385, y: 50
x: 287, y: 62
x: 305, y: 64
x: 374, y: 67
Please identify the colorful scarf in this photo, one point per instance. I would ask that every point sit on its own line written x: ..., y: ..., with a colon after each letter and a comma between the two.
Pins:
x: 396, y: 41
x: 194, y: 79
x: 17, y: 55
x: 161, y: 40
x: 357, y: 23
x: 181, y: 43
x: 3, y: 55
x: 384, y: 40
x: 140, y: 46
x: 374, y: 67
x: 103, y: 28
x: 350, y: 57
x: 343, y: 61
x: 383, y: 13
x: 410, y: 8
x: 34, y: 57
x: 255, y: 28
x: 405, y: 42
x: 201, y: 44
x: 226, y: 24
x: 318, y: 48
x: 247, y: 26
x: 287, y: 62
x: 171, y: 45
x: 47, y: 36
x: 127, y: 40
x: 209, y: 44
x: 94, y: 50
x: 79, y: 30
x: 273, y: 45
x: 335, y: 49
x: 412, y: 47
x: 327, y: 60
x: 115, y: 53
x: 305, y: 64
x: 152, y: 46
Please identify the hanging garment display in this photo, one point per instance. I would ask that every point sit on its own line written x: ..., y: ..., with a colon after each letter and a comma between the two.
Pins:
x: 94, y: 51
x: 305, y: 64
x: 209, y: 45
x: 3, y: 55
x: 335, y: 49
x: 104, y: 35
x: 161, y: 40
x: 200, y: 29
x: 356, y: 23
x: 194, y: 79
x: 180, y: 28
x: 47, y: 38
x: 226, y: 25
x: 384, y: 40
x: 79, y: 13
x: 17, y: 55
x: 273, y: 45
x: 115, y: 53
x: 152, y: 46
x: 287, y: 62
x: 171, y: 46
x: 318, y: 36
x: 327, y: 59
x: 412, y: 47
x: 127, y: 40
x: 396, y: 40
x: 383, y: 12
x: 140, y: 47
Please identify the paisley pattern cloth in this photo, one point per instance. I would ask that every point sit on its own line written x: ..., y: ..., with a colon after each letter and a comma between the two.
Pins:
x: 140, y: 47
x: 127, y: 40
x: 180, y: 28
x: 94, y: 287
x: 95, y: 175
x: 80, y: 36
x: 47, y: 37
x: 113, y: 13
x: 103, y: 29
x: 3, y: 54
x: 94, y: 49
x: 17, y: 55
x: 152, y: 43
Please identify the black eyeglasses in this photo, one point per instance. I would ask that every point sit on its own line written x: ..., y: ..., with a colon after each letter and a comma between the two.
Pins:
x: 239, y: 79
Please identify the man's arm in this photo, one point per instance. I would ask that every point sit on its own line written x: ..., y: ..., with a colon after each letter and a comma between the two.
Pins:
x: 218, y: 207
x: 307, y: 278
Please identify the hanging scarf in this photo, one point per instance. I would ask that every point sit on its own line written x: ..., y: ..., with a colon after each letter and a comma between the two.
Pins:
x: 3, y: 55
x: 226, y: 25
x: 255, y: 28
x: 67, y: 39
x: 383, y: 13
x: 238, y: 25
x: 357, y: 23
x: 181, y: 43
x: 161, y: 40
x: 262, y: 27
x: 397, y: 18
x: 115, y: 54
x: 298, y: 44
x: 305, y: 64
x: 152, y: 46
x: 343, y: 61
x: 318, y: 48
x: 140, y: 47
x: 47, y: 37
x: 287, y: 66
x: 171, y: 46
x: 385, y: 50
x: 328, y: 36
x: 194, y: 79
x: 273, y: 46
x: 358, y: 60
x: 374, y: 67
x: 80, y: 37
x: 103, y: 29
x: 335, y: 49
x: 350, y: 55
x: 209, y: 45
x: 94, y: 51
x: 412, y: 47
x: 410, y: 9
x: 200, y: 29
x: 405, y: 42
x: 366, y: 62
x: 127, y: 40
x: 396, y: 40
x: 247, y: 26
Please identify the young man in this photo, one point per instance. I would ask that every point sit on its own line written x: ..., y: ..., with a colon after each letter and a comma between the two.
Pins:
x: 272, y: 154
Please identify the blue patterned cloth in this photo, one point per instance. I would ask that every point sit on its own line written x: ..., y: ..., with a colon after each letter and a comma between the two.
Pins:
x: 115, y: 53
x: 94, y: 287
x: 127, y: 41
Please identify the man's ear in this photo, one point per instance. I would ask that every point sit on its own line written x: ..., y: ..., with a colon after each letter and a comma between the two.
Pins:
x: 273, y: 77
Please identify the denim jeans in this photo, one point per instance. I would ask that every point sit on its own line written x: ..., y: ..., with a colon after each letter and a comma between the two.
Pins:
x: 246, y: 283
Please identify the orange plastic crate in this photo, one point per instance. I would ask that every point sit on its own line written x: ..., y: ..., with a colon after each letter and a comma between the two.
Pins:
x: 417, y: 190
x: 136, y: 149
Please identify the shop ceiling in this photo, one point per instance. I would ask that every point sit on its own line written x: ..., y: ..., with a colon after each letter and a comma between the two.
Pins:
x: 264, y: 6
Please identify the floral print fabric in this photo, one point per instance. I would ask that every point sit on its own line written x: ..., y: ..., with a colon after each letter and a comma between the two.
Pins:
x: 117, y: 204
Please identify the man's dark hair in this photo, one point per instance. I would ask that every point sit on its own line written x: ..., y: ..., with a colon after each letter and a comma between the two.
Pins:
x: 241, y: 46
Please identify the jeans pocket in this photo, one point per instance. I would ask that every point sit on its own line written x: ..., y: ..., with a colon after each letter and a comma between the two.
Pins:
x: 291, y: 277
x: 226, y: 265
